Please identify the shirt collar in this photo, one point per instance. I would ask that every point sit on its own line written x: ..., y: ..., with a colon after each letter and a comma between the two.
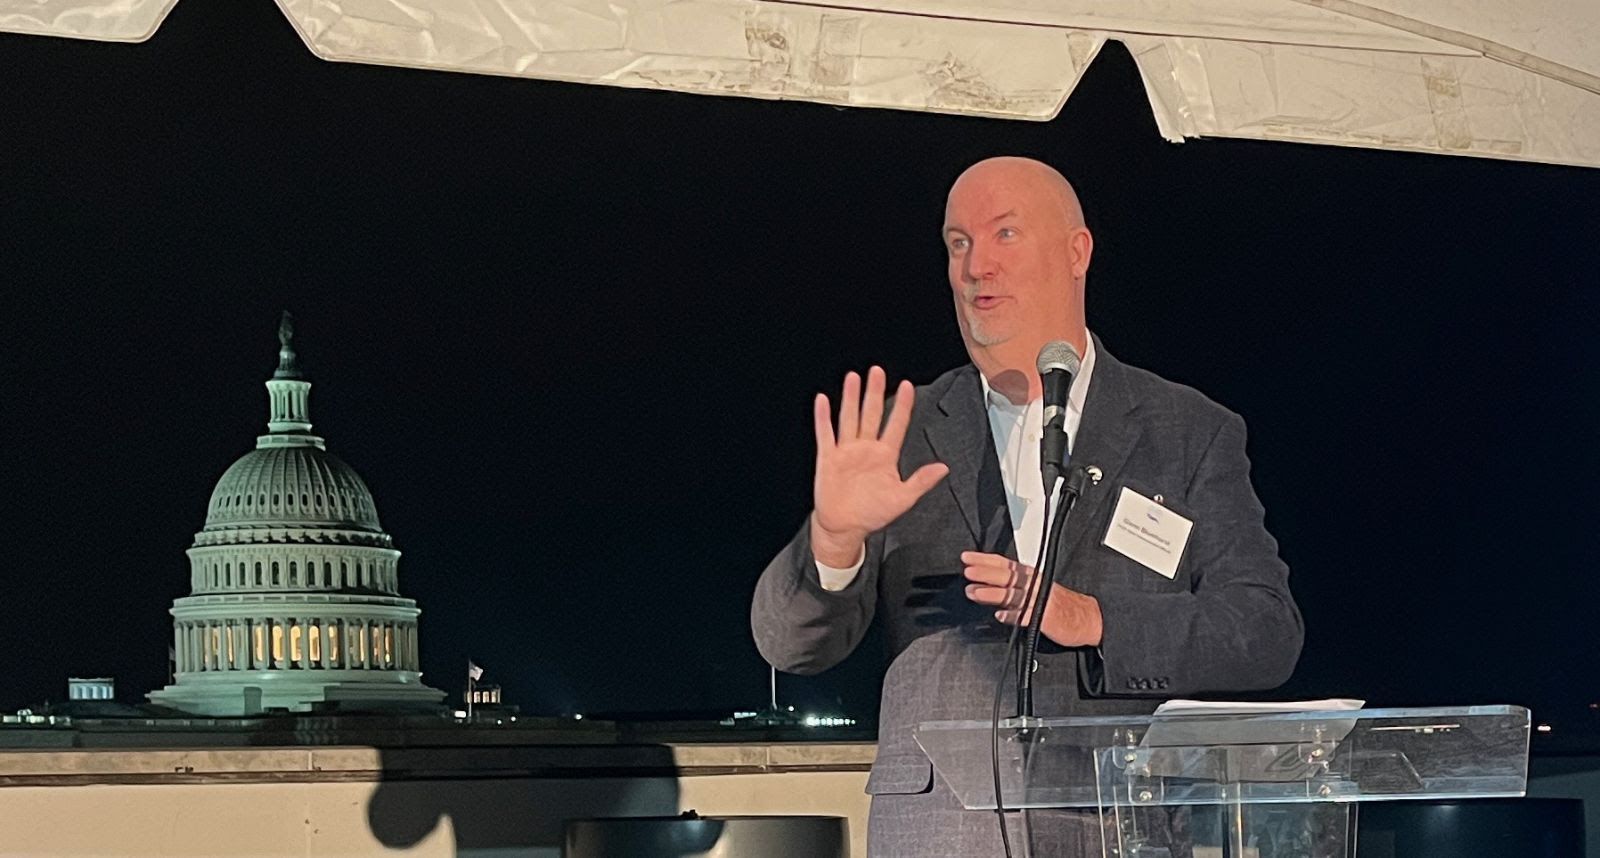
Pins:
x: 1075, y: 395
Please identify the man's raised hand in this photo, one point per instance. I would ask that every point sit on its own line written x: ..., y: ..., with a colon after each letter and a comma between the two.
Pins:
x: 858, y: 489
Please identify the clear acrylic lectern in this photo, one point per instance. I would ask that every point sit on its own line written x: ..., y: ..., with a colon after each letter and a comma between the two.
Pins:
x: 1278, y: 785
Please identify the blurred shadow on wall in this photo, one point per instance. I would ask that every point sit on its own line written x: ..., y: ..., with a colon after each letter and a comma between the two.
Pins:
x: 516, y: 800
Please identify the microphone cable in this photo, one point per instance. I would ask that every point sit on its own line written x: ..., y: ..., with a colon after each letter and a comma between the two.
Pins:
x: 1000, y: 687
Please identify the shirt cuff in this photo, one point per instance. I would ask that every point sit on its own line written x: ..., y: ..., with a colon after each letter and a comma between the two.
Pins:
x: 833, y: 580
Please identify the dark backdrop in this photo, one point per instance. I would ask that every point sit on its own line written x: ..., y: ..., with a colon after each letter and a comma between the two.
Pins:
x: 569, y: 336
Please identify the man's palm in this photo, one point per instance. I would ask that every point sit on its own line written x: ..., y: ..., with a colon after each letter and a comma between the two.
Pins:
x: 858, y: 488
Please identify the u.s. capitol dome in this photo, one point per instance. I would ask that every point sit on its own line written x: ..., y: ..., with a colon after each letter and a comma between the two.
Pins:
x: 294, y: 599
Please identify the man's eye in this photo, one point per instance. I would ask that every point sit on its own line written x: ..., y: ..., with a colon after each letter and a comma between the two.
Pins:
x: 958, y: 244
x: 1007, y: 232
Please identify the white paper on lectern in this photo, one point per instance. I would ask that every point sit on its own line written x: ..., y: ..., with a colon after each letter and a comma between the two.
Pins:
x: 1225, y: 707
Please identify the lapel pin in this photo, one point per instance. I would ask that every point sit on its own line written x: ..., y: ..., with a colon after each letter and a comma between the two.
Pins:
x: 1159, y: 499
x: 1094, y: 474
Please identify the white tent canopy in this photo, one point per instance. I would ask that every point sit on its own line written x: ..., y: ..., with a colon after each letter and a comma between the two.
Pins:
x: 1516, y: 79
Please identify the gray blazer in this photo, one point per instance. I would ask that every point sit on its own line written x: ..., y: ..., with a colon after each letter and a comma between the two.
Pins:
x: 1225, y: 623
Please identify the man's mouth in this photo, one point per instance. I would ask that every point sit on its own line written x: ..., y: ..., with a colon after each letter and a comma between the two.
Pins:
x: 986, y: 302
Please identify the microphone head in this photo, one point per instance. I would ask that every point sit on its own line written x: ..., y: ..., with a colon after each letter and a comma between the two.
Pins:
x: 1059, y: 355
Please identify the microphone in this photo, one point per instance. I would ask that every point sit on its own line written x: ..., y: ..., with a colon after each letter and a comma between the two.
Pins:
x: 1058, y: 363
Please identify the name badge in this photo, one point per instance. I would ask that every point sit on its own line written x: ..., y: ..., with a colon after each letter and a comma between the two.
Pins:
x: 1148, y: 533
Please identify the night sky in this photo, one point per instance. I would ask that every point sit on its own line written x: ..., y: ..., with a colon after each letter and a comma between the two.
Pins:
x: 569, y: 336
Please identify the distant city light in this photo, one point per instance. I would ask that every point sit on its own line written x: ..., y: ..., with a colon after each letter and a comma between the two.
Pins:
x: 461, y: 713
x: 1543, y: 728
x: 791, y: 708
x: 828, y: 721
x: 578, y: 717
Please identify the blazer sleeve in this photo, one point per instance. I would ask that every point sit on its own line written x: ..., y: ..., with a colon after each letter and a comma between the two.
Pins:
x: 801, y: 628
x: 1237, y: 627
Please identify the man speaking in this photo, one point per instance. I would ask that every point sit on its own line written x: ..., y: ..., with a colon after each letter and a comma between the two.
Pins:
x: 1168, y: 583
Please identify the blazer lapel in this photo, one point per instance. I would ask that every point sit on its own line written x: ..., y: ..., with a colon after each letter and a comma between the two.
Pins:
x: 1105, y: 439
x: 959, y: 436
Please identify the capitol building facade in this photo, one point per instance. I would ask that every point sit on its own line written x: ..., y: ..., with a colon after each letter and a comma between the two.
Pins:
x: 294, y: 597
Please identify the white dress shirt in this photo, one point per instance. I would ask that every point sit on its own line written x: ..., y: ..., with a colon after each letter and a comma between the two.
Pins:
x: 1016, y: 430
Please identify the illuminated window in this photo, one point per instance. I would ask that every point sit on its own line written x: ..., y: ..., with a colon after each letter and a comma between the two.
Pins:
x: 277, y: 644
x: 215, y: 644
x: 335, y: 655
x: 295, y: 635
x: 377, y: 648
x: 316, y: 643
x: 388, y: 645
x: 260, y: 644
x: 360, y: 640
x: 232, y: 653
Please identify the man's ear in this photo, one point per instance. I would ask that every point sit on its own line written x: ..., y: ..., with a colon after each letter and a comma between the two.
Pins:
x: 1081, y: 246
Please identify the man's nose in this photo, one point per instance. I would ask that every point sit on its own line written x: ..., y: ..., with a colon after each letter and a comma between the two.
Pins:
x: 978, y: 264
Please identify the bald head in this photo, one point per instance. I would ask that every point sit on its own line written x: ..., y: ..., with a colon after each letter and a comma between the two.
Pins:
x: 1021, y: 179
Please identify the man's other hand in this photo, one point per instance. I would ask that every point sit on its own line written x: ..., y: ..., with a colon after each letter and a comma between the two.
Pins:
x: 1070, y: 618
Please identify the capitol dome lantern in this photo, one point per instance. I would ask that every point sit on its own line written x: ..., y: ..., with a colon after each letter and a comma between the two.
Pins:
x: 294, y: 596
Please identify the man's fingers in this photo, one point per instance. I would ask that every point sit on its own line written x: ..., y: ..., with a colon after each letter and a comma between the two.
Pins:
x: 822, y: 424
x: 998, y: 576
x: 1012, y: 618
x: 872, y: 405
x: 894, y: 432
x: 850, y: 408
x: 1003, y: 597
x: 925, y: 478
x: 996, y: 569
